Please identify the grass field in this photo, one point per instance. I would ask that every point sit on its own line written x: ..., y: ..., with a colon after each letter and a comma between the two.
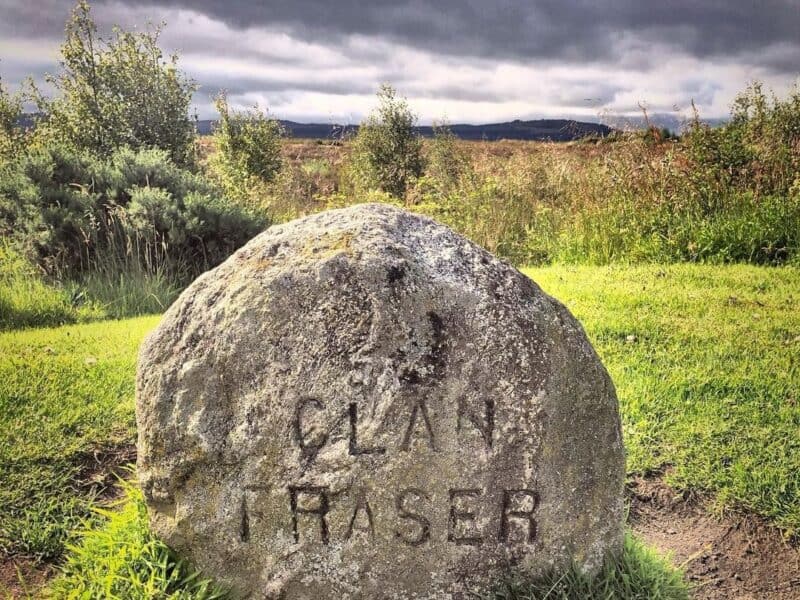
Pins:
x: 66, y: 411
x: 706, y: 360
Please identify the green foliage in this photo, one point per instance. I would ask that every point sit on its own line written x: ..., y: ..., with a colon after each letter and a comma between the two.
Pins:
x: 118, y: 287
x: 78, y: 213
x: 634, y: 202
x: 248, y: 149
x: 705, y: 361
x: 387, y: 152
x: 446, y: 160
x: 120, y: 559
x: 11, y: 134
x: 716, y: 195
x: 639, y: 574
x: 119, y: 92
x: 757, y: 151
x: 66, y: 416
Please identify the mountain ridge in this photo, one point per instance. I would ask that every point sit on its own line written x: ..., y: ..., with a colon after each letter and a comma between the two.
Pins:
x: 558, y: 130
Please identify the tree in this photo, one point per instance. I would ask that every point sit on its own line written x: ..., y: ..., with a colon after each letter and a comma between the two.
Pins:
x: 446, y: 159
x: 248, y: 145
x: 11, y: 133
x: 387, y: 151
x: 119, y: 92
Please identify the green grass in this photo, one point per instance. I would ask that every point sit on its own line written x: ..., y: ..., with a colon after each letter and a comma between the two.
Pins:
x: 115, y: 289
x: 706, y: 361
x: 27, y: 301
x: 66, y: 400
x: 120, y: 559
x: 639, y: 574
x: 128, y: 292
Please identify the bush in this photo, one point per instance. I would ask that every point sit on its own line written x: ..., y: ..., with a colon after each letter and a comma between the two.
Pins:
x: 387, y: 152
x: 11, y: 133
x: 446, y: 161
x: 120, y: 92
x: 248, y: 148
x: 76, y: 213
x: 757, y: 150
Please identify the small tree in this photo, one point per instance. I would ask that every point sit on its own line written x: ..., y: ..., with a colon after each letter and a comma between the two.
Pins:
x: 758, y: 149
x: 387, y: 151
x: 119, y: 92
x: 248, y: 146
x: 11, y: 133
x: 446, y: 159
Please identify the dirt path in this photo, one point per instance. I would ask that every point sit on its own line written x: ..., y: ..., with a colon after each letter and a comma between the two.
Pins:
x: 733, y: 558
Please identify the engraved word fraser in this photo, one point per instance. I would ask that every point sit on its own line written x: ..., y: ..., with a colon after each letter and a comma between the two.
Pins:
x: 312, y: 503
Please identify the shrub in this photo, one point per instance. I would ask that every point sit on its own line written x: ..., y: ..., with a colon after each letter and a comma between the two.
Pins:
x: 120, y: 92
x: 73, y: 212
x: 11, y: 133
x: 387, y: 152
x: 446, y: 161
x: 757, y: 150
x: 248, y: 148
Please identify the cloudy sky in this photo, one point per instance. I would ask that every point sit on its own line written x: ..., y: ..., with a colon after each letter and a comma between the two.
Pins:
x: 463, y: 60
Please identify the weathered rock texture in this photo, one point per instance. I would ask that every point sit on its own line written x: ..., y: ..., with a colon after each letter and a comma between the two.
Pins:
x: 363, y: 404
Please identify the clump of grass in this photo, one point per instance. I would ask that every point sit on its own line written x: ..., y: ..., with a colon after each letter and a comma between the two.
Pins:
x: 118, y: 557
x: 26, y: 300
x: 117, y: 287
x: 122, y: 287
x: 638, y: 574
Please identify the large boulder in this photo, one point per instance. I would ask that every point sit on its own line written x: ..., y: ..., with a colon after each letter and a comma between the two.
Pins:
x: 364, y: 404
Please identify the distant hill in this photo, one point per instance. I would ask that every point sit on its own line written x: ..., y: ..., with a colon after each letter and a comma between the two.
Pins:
x: 557, y: 130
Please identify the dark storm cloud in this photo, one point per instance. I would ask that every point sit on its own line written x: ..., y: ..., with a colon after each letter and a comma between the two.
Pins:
x: 482, y: 59
x: 587, y: 30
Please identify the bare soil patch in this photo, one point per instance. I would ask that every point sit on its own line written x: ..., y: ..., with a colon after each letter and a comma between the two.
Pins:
x: 733, y: 557
x: 20, y: 577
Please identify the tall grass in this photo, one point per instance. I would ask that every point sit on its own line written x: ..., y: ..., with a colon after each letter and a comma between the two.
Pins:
x: 134, y: 275
x: 27, y: 300
x: 724, y: 195
x: 627, y: 200
x: 116, y: 286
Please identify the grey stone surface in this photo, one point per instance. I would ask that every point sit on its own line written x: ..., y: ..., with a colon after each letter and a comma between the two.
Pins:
x: 363, y: 404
